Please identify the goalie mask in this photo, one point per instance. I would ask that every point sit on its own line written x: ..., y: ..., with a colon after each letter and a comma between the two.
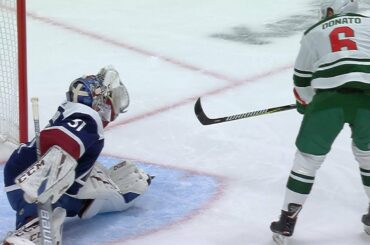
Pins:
x: 338, y: 7
x: 104, y: 92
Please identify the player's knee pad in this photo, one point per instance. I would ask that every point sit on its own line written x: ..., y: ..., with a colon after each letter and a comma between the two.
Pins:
x: 114, y: 189
x: 307, y: 164
x: 362, y: 157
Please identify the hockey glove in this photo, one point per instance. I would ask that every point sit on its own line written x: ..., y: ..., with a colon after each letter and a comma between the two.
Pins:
x: 50, y: 177
x: 301, y: 108
x: 303, y: 96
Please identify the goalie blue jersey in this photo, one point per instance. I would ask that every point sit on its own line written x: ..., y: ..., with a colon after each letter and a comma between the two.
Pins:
x: 78, y: 130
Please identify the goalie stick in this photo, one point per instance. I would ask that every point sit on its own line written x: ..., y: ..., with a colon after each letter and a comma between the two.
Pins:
x: 205, y: 120
x: 44, y: 209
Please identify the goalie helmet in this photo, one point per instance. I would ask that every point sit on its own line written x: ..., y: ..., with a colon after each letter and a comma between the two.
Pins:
x: 338, y: 7
x: 104, y: 92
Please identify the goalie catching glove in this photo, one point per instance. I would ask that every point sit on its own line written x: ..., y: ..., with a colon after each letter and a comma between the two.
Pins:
x: 113, y: 189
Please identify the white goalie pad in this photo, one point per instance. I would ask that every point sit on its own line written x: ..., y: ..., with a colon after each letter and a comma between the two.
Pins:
x: 48, y: 178
x: 98, y: 184
x: 114, y: 189
x: 30, y: 234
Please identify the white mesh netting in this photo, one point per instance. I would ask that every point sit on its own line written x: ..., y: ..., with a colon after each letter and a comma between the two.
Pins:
x: 9, y: 120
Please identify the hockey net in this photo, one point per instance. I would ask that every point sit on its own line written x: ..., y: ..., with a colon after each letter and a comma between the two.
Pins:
x: 13, y: 89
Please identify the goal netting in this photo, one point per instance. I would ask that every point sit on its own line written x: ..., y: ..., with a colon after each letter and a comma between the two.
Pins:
x: 13, y: 92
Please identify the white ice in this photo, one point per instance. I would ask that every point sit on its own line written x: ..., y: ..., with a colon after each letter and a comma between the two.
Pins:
x: 167, y: 59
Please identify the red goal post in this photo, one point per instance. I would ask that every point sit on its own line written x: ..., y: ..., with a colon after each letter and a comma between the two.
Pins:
x: 13, y: 72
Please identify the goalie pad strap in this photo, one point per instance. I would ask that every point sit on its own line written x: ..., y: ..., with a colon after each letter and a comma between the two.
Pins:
x: 11, y: 188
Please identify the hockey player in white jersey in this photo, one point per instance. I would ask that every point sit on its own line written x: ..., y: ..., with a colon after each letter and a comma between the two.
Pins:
x: 76, y: 134
x: 332, y: 88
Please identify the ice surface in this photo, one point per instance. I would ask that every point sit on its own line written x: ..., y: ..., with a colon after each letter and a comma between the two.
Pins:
x: 169, y: 54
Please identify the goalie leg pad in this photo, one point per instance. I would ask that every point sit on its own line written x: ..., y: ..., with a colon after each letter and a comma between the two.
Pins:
x: 26, y: 211
x: 29, y: 234
x: 113, y: 189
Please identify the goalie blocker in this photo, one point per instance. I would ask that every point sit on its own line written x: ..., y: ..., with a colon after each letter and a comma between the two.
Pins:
x: 50, y: 177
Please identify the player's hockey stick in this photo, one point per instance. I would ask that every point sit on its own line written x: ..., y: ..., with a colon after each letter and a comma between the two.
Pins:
x: 205, y: 120
x: 44, y: 209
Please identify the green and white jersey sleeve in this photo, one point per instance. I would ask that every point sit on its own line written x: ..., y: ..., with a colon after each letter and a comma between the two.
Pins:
x: 335, y: 52
x: 303, y: 71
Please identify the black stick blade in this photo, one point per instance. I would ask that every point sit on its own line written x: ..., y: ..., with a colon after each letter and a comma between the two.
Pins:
x: 202, y: 117
x: 200, y: 113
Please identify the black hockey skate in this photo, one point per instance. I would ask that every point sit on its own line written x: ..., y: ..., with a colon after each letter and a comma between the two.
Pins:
x: 366, y: 221
x: 284, y: 227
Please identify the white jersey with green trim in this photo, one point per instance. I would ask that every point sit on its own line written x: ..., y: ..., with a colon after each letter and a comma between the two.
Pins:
x: 334, y: 52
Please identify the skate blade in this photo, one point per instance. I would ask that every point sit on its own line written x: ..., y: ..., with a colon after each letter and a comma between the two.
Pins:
x: 280, y: 239
x: 367, y: 229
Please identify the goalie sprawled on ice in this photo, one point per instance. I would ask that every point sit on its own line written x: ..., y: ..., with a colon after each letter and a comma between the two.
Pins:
x: 68, y: 174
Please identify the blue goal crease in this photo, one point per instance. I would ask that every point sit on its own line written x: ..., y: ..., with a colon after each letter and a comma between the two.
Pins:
x: 174, y: 195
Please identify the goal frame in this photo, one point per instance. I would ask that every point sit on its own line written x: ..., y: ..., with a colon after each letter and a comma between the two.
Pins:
x: 22, y: 71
